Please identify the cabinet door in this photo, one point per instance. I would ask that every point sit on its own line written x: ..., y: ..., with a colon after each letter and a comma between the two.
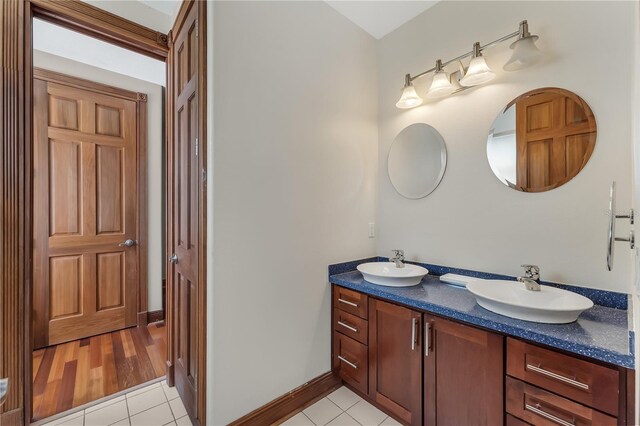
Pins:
x: 395, y: 360
x: 463, y: 375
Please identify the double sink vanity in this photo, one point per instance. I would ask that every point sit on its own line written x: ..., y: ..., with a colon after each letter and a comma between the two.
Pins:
x: 496, y: 352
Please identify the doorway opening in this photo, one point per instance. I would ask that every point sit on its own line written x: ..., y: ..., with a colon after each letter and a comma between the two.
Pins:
x: 99, y: 275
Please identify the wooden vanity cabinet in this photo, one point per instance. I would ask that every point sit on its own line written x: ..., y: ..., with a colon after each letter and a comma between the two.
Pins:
x: 424, y: 369
x: 395, y: 360
x: 463, y: 374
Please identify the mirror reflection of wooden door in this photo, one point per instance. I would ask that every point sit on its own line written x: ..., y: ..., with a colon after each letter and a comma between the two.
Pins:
x: 85, y: 209
x: 185, y: 293
x: 555, y: 135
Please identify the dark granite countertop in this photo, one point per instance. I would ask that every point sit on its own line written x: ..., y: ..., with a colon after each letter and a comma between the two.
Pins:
x: 601, y: 333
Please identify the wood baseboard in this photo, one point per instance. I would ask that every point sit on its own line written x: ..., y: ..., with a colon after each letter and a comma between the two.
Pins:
x: 291, y: 402
x: 155, y: 316
x: 13, y: 417
x: 142, y: 319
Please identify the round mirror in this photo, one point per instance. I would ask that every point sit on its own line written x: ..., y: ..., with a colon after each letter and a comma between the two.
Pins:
x: 541, y: 140
x: 417, y: 160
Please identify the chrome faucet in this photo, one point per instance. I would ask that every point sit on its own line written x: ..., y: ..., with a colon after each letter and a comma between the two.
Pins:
x: 531, y: 279
x: 398, y: 258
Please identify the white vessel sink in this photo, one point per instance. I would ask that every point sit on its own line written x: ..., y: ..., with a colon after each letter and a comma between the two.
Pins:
x: 512, y: 299
x: 387, y: 274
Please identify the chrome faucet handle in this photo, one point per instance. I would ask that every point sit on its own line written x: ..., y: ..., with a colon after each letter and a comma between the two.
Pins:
x: 532, y: 271
x: 398, y: 253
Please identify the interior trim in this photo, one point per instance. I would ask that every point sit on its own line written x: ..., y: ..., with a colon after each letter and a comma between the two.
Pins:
x: 155, y: 316
x: 90, y: 20
x: 292, y: 402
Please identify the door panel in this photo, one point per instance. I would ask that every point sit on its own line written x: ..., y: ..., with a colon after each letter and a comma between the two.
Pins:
x: 457, y: 354
x: 85, y: 155
x: 185, y: 295
x: 555, y: 137
x: 395, y: 360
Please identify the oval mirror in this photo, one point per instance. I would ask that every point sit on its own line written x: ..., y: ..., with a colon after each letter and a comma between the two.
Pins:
x: 417, y: 160
x: 541, y: 140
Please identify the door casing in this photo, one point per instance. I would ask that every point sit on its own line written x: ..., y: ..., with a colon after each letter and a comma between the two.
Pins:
x: 16, y: 170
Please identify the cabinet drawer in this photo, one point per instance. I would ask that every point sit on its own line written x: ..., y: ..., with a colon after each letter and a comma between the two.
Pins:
x: 350, y: 359
x: 579, y: 380
x: 539, y: 407
x: 351, y: 325
x: 350, y: 301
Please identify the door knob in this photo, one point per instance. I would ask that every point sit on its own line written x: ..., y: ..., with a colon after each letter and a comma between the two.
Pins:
x: 174, y: 258
x: 128, y: 243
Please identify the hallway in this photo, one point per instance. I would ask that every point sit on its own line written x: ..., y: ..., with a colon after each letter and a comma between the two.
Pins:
x: 74, y: 373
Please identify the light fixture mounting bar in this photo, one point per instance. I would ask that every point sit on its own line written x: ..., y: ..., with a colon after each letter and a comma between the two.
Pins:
x: 470, y: 53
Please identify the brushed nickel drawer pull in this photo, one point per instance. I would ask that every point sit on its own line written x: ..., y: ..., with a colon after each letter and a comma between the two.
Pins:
x: 548, y: 416
x: 346, y: 361
x: 553, y: 375
x: 345, y: 325
x: 427, y: 342
x: 346, y: 302
x: 414, y: 323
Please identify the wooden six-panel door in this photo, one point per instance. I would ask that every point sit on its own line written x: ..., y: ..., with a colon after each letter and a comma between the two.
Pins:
x: 556, y: 134
x: 85, y: 209
x: 185, y: 233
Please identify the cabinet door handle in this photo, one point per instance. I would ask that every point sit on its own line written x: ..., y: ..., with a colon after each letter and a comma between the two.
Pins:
x: 427, y: 340
x: 572, y: 382
x: 548, y: 416
x: 345, y: 325
x: 346, y: 361
x: 414, y: 326
x: 346, y: 302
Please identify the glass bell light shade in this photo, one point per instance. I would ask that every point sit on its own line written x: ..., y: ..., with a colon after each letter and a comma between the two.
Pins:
x: 525, y: 54
x: 409, y: 98
x: 441, y: 84
x: 477, y: 73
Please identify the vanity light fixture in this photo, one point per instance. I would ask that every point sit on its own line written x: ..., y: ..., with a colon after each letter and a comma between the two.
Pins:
x: 525, y: 53
x: 409, y: 97
x: 441, y: 84
x: 478, y: 71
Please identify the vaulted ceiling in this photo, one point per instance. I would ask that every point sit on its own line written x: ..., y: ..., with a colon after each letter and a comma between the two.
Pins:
x: 379, y: 18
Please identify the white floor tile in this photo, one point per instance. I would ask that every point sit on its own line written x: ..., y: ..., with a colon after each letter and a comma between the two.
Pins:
x: 104, y: 404
x: 390, y: 421
x: 344, y: 398
x: 143, y: 390
x: 171, y: 424
x: 177, y: 407
x: 298, y: 420
x: 184, y: 421
x: 322, y: 412
x: 366, y: 414
x: 154, y: 416
x: 343, y: 420
x: 171, y: 392
x: 107, y: 415
x: 124, y: 422
x: 145, y: 400
x: 71, y: 419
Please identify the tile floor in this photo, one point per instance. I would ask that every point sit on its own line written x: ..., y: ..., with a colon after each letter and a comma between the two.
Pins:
x: 153, y: 405
x: 341, y: 408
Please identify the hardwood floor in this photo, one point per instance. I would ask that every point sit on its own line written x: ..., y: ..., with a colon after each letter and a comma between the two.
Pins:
x: 77, y: 372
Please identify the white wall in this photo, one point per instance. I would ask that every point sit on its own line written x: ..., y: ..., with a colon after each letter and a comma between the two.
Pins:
x: 472, y: 220
x: 636, y: 196
x: 154, y: 153
x: 70, y: 44
x: 142, y: 12
x: 294, y: 186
